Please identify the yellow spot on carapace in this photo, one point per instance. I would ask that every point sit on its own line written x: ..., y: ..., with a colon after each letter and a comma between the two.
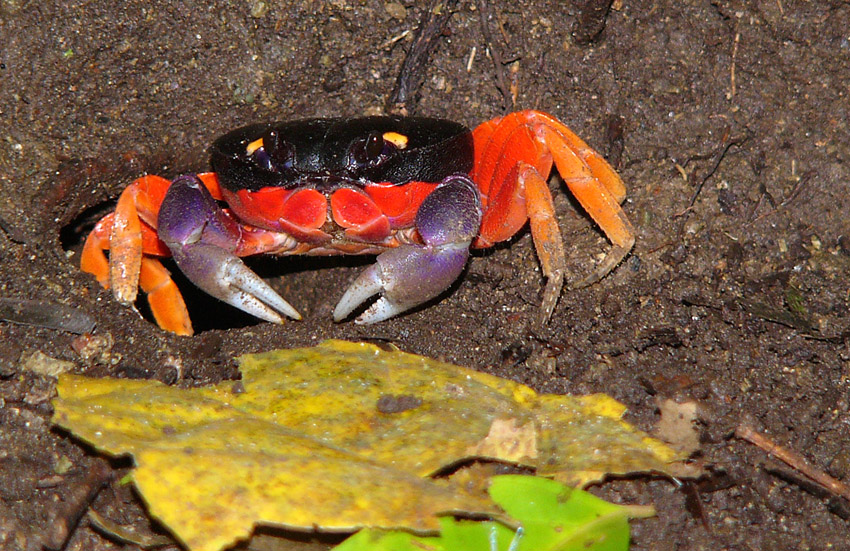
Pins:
x: 253, y: 146
x: 398, y: 140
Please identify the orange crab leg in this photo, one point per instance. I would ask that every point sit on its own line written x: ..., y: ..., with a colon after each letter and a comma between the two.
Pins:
x: 125, y: 246
x: 501, y: 145
x: 164, y: 298
x: 92, y: 259
x: 546, y: 236
x: 129, y: 234
x: 559, y: 134
x: 598, y: 189
x: 513, y: 159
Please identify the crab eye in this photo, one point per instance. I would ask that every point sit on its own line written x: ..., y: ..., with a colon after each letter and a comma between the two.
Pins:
x: 374, y: 146
x: 271, y: 152
x: 280, y: 151
x: 366, y: 151
x: 374, y: 149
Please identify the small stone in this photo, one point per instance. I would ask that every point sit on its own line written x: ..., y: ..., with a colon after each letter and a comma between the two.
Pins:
x: 63, y: 465
x: 396, y: 10
x: 41, y: 364
x: 259, y: 9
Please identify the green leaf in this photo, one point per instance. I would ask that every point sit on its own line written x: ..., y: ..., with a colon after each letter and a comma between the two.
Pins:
x: 552, y: 517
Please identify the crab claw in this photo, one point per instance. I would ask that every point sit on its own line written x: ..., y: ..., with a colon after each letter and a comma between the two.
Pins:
x: 448, y: 220
x: 203, y: 240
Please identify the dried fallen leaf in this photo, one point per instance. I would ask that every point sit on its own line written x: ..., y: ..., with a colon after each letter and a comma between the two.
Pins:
x: 676, y: 426
x: 40, y: 363
x: 506, y: 439
x: 338, y: 437
x: 210, y: 472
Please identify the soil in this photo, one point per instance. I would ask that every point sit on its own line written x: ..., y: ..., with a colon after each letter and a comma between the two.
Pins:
x: 727, y: 120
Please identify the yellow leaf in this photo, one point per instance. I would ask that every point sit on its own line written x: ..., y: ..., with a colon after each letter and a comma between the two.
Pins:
x: 337, y: 437
x: 333, y: 392
x: 212, y: 484
x: 582, y: 439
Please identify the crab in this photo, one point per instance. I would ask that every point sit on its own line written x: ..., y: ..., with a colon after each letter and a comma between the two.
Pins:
x: 417, y: 192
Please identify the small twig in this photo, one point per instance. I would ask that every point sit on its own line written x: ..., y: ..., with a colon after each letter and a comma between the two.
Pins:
x: 13, y: 232
x: 391, y: 42
x: 798, y: 187
x: 126, y: 534
x: 718, y: 159
x: 659, y: 247
x: 501, y: 81
x: 796, y: 191
x: 763, y: 194
x: 731, y: 93
x: 471, y: 59
x: 782, y: 317
x: 412, y: 73
x: 66, y: 515
x: 42, y: 313
x: 793, y: 460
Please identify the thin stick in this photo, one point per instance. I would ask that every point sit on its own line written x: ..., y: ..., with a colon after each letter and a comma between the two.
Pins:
x: 719, y: 159
x: 393, y: 40
x: 403, y: 99
x: 471, y: 59
x: 501, y: 81
x: 798, y: 187
x: 793, y: 460
x: 731, y: 93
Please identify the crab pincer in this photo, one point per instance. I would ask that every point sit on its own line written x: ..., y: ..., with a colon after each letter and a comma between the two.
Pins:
x: 204, y: 241
x: 447, y: 221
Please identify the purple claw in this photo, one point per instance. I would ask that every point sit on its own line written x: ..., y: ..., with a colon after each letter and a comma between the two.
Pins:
x: 408, y: 276
x: 448, y: 220
x: 203, y: 240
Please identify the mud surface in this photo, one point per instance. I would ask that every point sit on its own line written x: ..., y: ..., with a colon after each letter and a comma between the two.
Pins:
x: 735, y: 149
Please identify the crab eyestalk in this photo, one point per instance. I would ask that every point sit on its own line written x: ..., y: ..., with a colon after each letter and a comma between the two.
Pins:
x: 204, y: 240
x: 448, y: 220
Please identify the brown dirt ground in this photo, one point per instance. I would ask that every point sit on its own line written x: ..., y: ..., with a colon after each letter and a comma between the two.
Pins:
x: 739, y: 303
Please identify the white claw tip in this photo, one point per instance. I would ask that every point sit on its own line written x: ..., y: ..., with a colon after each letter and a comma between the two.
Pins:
x: 367, y: 285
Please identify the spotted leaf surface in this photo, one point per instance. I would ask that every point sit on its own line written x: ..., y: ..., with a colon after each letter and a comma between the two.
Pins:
x: 338, y: 437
